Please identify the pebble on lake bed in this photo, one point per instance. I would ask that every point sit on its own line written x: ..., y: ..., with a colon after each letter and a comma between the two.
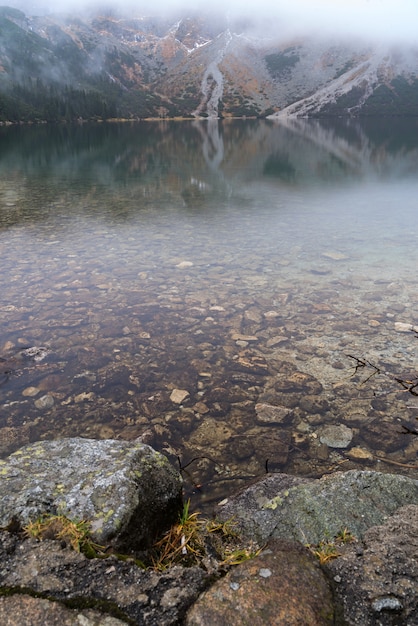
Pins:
x: 334, y: 255
x: 178, y: 395
x: 269, y: 414
x: 30, y: 391
x: 44, y: 402
x: 359, y: 454
x: 336, y: 435
x: 402, y: 327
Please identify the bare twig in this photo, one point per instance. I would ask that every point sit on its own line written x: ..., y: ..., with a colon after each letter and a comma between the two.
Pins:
x: 381, y: 458
x: 409, y: 385
x: 364, y: 363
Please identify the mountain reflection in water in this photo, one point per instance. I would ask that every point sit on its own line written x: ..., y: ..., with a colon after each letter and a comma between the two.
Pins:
x: 266, y: 272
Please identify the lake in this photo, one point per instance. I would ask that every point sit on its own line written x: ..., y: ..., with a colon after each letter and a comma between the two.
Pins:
x: 243, y: 295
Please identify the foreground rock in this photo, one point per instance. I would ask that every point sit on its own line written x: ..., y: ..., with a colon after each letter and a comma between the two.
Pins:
x: 376, y: 580
x: 310, y: 511
x: 128, y: 492
x: 375, y: 577
x: 23, y: 610
x: 283, y: 586
x: 113, y: 588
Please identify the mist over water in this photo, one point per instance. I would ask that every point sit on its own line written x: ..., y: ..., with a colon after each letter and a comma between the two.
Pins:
x: 244, y: 263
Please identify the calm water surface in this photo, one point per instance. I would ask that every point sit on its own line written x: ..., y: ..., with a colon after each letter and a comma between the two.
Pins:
x: 241, y: 295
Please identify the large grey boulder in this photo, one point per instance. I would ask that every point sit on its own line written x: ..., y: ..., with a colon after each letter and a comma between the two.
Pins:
x: 126, y: 490
x: 311, y: 510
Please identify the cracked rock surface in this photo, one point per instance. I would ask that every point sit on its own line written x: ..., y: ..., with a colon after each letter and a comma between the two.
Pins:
x: 114, y: 588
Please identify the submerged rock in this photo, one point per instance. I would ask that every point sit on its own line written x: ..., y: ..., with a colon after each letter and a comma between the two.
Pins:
x: 336, y: 435
x: 45, y: 402
x: 402, y: 327
x: 126, y: 490
x: 310, y: 511
x: 359, y: 454
x: 382, y: 434
x: 270, y: 414
x: 179, y: 395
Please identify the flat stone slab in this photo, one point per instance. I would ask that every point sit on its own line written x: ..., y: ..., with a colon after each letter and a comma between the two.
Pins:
x: 311, y: 510
x: 126, y: 490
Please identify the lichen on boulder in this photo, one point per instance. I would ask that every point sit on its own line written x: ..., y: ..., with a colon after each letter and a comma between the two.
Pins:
x: 126, y: 490
x: 310, y: 510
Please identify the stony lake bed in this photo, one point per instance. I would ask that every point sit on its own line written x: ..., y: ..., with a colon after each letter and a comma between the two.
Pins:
x: 240, y: 297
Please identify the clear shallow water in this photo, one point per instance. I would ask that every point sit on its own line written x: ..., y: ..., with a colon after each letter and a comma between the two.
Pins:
x: 239, y: 262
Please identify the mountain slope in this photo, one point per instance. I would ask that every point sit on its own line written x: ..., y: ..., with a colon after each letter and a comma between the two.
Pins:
x: 382, y: 82
x: 65, y: 67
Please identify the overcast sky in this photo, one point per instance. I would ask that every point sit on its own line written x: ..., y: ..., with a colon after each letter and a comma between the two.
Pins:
x: 372, y: 19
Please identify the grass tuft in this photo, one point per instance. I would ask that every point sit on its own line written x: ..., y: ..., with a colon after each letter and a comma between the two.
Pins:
x: 328, y: 549
x: 196, y: 541
x: 74, y: 533
x: 192, y: 541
